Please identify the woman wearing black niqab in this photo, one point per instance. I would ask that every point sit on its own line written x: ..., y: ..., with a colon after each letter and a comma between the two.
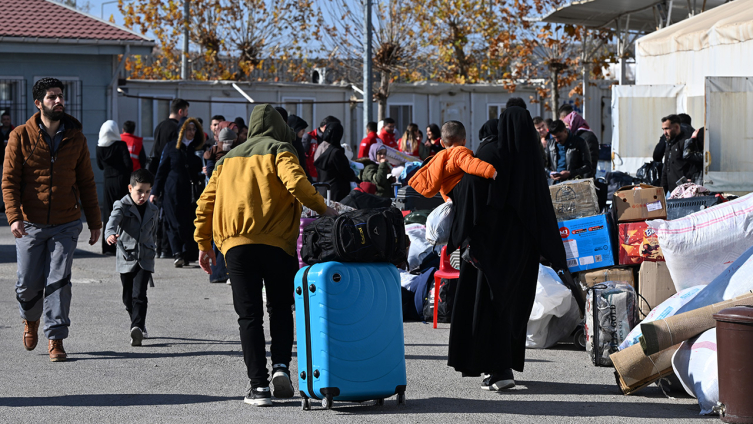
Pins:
x: 504, y: 225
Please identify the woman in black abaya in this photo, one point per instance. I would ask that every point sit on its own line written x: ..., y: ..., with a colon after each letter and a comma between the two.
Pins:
x: 503, y: 227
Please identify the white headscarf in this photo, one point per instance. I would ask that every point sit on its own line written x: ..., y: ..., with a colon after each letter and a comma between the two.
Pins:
x: 108, y: 134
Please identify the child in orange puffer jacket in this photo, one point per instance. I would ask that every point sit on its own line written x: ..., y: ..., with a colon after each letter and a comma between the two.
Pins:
x: 448, y: 166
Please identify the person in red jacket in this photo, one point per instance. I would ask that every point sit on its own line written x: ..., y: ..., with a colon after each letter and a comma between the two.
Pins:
x: 387, y: 135
x: 135, y: 145
x: 371, y: 138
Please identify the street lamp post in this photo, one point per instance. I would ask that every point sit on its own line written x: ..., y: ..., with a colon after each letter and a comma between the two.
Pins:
x: 367, y: 95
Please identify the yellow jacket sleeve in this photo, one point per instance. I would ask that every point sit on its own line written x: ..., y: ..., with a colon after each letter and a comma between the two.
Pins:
x: 294, y: 178
x: 205, y: 213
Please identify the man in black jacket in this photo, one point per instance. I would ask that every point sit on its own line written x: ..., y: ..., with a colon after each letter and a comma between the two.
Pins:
x: 165, y: 133
x: 682, y: 160
x: 567, y: 155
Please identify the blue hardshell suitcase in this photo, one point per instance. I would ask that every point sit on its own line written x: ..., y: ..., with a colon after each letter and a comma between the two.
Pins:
x: 349, y: 325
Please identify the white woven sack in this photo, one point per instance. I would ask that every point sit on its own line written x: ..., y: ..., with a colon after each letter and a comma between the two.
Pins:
x: 700, y: 246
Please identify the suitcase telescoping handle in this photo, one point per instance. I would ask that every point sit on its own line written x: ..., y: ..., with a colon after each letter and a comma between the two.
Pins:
x: 328, y: 190
x: 396, y: 187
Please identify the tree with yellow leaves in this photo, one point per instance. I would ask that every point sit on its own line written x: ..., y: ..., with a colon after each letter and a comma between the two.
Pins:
x: 229, y: 38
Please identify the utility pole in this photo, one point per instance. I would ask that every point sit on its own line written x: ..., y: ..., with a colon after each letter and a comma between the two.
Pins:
x: 184, y: 58
x: 367, y: 94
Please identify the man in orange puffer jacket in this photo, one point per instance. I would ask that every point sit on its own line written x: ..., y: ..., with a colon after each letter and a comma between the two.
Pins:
x: 448, y: 166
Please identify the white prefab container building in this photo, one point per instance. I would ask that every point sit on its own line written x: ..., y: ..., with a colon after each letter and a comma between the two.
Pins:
x: 702, y: 66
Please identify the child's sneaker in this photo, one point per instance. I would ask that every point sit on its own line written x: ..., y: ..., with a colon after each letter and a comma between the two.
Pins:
x: 258, y: 396
x: 282, y: 388
x: 136, y: 336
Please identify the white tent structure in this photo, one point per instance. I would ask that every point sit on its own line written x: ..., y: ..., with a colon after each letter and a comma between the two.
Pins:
x: 702, y: 66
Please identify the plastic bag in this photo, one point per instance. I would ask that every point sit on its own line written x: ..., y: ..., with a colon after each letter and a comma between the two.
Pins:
x: 666, y: 309
x: 419, y: 247
x: 555, y: 313
x: 439, y: 224
x: 611, y: 312
x: 699, y: 247
x: 695, y: 364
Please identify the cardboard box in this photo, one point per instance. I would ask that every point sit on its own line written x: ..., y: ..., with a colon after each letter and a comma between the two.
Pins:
x: 639, y: 203
x: 638, y: 243
x: 592, y: 278
x: 587, y: 243
x: 654, y: 284
x: 574, y: 199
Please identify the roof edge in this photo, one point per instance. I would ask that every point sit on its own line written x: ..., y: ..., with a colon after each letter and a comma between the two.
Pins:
x: 81, y: 41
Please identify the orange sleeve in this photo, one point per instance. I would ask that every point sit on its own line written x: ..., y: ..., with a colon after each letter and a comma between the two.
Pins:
x: 428, y: 179
x: 474, y: 166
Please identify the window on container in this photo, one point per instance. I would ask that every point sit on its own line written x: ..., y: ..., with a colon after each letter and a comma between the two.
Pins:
x: 495, y: 110
x: 403, y: 115
x: 301, y: 107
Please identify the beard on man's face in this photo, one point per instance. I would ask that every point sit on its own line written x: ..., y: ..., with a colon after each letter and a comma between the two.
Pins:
x: 52, y: 114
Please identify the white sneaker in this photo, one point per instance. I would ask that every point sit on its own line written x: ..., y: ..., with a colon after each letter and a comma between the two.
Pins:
x: 136, y: 336
x: 145, y: 333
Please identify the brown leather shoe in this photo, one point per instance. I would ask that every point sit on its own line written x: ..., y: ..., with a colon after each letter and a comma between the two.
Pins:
x: 57, y: 353
x: 30, y: 334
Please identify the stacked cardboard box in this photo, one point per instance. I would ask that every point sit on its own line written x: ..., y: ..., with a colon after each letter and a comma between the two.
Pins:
x: 634, y: 205
x: 585, y: 233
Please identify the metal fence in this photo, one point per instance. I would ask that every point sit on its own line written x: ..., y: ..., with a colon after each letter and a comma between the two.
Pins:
x: 13, y: 100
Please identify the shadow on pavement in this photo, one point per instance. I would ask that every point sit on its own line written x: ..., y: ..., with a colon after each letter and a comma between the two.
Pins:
x: 85, y: 356
x: 576, y: 409
x: 111, y: 400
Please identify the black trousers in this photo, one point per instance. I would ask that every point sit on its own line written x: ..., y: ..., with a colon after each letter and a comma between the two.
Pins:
x: 115, y: 188
x: 250, y: 266
x: 135, y: 284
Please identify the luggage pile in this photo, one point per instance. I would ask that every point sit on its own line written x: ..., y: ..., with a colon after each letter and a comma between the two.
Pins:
x: 677, y: 264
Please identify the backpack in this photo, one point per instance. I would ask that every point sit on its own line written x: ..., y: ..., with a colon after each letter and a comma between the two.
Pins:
x: 447, y: 289
x: 366, y: 235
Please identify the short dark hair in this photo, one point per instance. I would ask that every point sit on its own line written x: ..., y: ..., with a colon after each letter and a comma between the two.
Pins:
x: 177, y: 105
x: 327, y: 120
x: 239, y: 122
x: 537, y: 120
x: 201, y: 121
x: 557, y: 127
x: 673, y: 119
x: 548, y: 121
x: 218, y: 118
x: 45, y: 84
x: 371, y: 127
x: 284, y: 113
x: 516, y: 101
x: 388, y: 121
x: 129, y: 127
x: 453, y: 132
x: 142, y: 176
x: 685, y: 119
x: 565, y: 109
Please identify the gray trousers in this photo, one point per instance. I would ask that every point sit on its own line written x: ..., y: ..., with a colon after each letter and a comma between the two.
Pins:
x: 45, y: 257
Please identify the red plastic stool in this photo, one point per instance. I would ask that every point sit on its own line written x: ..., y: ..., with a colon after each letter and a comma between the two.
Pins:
x: 445, y: 271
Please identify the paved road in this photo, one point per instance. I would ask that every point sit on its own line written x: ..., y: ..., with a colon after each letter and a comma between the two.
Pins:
x: 191, y: 370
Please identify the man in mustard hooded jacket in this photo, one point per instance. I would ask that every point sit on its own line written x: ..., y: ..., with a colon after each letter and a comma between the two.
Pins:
x: 252, y: 209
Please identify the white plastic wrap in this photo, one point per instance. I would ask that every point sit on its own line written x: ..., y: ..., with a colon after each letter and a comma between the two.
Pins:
x: 419, y: 247
x: 695, y: 364
x: 555, y: 313
x: 666, y: 309
x: 439, y: 224
x: 700, y: 246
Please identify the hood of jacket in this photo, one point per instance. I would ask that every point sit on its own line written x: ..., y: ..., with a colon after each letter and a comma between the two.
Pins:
x: 108, y: 134
x: 297, y: 123
x: 266, y: 122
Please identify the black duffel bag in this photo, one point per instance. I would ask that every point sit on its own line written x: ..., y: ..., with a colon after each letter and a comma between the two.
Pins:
x: 367, y: 235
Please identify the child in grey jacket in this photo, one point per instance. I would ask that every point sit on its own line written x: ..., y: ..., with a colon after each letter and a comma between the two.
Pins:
x: 132, y: 226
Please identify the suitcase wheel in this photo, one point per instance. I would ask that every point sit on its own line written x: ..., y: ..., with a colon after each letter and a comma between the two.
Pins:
x: 400, y: 399
x: 306, y: 404
x: 380, y: 402
x: 327, y: 402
